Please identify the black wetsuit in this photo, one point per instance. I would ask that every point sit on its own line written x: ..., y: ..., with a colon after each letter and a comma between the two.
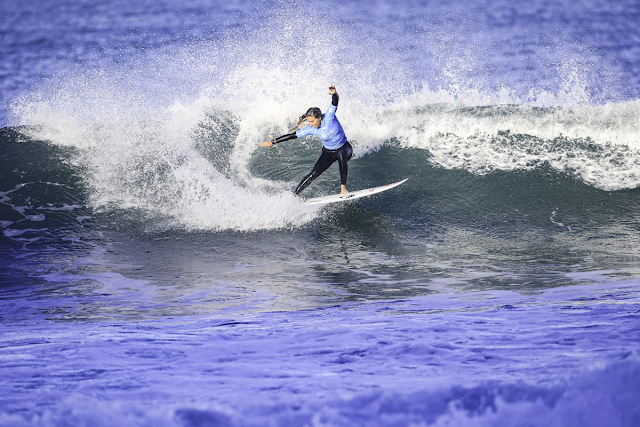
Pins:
x: 327, y: 157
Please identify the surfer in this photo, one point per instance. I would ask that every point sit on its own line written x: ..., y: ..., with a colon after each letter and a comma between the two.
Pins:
x: 334, y: 142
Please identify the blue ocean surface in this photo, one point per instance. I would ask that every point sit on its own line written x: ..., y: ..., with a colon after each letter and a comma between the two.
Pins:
x: 157, y: 270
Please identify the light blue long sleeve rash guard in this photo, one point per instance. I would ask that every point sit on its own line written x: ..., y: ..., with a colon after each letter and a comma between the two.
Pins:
x: 330, y: 130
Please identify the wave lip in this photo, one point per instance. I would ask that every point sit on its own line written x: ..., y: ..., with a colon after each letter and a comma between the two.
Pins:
x: 596, y: 144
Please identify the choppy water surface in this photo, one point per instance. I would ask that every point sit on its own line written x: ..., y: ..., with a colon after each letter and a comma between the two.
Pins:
x: 156, y: 269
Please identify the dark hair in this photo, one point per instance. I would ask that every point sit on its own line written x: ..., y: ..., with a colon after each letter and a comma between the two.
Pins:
x: 311, y: 112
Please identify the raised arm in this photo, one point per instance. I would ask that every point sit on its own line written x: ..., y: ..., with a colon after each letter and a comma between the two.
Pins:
x: 334, y: 95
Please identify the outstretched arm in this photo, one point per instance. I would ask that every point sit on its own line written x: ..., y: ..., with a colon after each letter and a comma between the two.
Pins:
x: 274, y: 141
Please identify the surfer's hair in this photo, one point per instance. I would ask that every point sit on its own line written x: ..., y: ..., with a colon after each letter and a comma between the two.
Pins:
x: 311, y: 112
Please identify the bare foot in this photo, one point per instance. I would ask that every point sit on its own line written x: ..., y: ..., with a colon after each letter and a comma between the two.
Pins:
x: 343, y: 190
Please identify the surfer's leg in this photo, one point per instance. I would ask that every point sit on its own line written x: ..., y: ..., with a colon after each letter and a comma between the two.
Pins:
x: 343, y: 155
x: 324, y: 161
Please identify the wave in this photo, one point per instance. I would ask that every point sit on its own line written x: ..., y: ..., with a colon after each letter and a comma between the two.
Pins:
x: 600, y: 152
x: 173, y: 135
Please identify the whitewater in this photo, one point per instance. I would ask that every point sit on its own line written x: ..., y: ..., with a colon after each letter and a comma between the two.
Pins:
x: 157, y: 270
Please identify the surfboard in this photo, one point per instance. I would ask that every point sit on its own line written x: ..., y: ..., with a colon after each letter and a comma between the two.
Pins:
x: 334, y: 198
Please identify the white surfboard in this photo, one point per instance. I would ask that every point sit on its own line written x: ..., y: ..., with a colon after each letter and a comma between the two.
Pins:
x: 353, y: 195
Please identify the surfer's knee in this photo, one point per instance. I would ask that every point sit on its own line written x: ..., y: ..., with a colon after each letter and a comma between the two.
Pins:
x: 304, y: 183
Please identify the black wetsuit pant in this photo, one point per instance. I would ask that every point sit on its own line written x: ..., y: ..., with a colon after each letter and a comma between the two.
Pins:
x: 342, y: 155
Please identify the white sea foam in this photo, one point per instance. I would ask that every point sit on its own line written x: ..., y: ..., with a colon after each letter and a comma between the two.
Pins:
x: 152, y: 163
x: 598, y: 144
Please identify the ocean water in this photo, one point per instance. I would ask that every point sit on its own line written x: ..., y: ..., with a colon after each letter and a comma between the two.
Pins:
x: 156, y: 269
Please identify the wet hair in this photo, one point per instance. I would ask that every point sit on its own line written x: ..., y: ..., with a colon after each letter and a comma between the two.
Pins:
x: 311, y: 112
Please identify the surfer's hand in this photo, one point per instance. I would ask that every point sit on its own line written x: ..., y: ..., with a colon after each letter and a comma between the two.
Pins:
x: 332, y: 89
x: 268, y: 143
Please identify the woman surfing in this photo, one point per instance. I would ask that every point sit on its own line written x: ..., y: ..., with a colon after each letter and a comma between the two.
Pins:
x: 334, y: 142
